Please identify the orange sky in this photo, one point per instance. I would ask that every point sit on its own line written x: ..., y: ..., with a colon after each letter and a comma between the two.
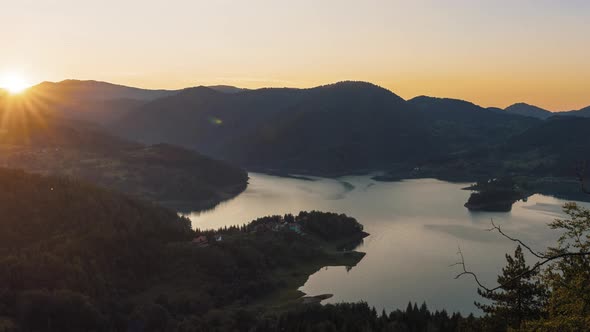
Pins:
x: 493, y: 53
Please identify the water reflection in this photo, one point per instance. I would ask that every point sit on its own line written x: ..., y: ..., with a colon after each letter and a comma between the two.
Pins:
x: 415, y: 226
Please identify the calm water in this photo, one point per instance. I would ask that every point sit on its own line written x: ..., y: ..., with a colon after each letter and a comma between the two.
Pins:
x: 416, y: 227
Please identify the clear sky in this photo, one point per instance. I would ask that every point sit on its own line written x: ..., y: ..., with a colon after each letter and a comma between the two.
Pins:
x: 493, y: 53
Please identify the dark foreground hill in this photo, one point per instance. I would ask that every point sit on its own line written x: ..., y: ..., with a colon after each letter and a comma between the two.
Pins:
x: 74, y: 257
x: 39, y: 139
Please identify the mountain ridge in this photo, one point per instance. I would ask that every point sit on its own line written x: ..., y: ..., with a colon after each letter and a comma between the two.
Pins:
x: 525, y: 109
x: 229, y: 89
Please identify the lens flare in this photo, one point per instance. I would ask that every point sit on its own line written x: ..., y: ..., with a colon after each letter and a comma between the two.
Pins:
x: 13, y: 83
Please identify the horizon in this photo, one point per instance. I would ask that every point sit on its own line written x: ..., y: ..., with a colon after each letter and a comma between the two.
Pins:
x: 291, y: 87
x: 487, y: 53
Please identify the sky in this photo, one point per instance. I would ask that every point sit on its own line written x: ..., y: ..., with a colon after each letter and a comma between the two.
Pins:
x: 493, y: 53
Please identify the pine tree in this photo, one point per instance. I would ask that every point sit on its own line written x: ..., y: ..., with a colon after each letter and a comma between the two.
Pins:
x: 568, y: 306
x: 521, y: 297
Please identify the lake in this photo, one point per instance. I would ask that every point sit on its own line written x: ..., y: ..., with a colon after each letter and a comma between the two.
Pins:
x: 416, y: 228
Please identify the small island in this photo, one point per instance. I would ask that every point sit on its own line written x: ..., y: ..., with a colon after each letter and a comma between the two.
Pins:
x: 495, y: 195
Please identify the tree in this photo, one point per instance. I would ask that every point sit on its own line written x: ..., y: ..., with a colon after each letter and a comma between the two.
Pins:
x: 521, y: 297
x: 569, y: 278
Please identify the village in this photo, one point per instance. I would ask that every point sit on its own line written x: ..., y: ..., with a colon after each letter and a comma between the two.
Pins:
x: 288, y: 223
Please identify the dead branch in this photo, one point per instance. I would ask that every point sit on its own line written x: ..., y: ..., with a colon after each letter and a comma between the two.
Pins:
x: 524, y: 274
x: 537, y: 254
x: 465, y: 271
x: 545, y: 259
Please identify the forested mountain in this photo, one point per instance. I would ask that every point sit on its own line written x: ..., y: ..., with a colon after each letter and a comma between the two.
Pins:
x: 544, y: 158
x: 556, y: 146
x: 584, y: 112
x: 96, y: 101
x: 537, y: 112
x: 39, y: 139
x: 92, y: 100
x: 528, y: 110
x: 319, y: 129
x: 333, y: 129
x: 462, y: 125
x: 226, y: 88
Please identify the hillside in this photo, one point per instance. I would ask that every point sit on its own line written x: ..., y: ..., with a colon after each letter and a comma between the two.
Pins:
x: 537, y: 112
x: 39, y: 140
x: 528, y: 110
x: 74, y: 257
x: 546, y: 158
x: 334, y: 129
x: 99, y: 102
x: 584, y: 112
x: 463, y: 125
x: 92, y: 100
x: 558, y: 145
x: 341, y: 128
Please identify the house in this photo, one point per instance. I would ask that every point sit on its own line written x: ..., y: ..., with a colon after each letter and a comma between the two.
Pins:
x: 201, y: 241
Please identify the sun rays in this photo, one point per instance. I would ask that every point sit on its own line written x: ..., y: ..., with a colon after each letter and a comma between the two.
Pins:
x: 24, y: 114
x: 14, y: 83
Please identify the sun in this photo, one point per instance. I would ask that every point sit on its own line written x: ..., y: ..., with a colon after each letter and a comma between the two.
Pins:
x: 13, y: 83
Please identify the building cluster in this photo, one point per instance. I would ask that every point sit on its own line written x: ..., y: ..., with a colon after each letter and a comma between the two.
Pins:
x: 278, y: 226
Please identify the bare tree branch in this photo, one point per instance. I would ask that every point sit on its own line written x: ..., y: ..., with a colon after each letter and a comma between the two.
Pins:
x: 465, y: 271
x: 537, y: 254
x: 545, y: 258
x: 524, y: 274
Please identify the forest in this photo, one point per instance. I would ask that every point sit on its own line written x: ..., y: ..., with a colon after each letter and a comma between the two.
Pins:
x: 75, y: 257
x: 34, y: 138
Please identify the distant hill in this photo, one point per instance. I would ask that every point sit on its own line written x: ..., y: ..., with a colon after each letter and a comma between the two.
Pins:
x: 329, y: 128
x: 97, y: 101
x: 537, y: 112
x: 464, y: 125
x: 528, y: 110
x: 445, y: 105
x: 332, y: 129
x: 584, y: 112
x: 339, y: 128
x: 226, y: 88
x: 562, y: 140
x: 92, y: 100
x: 495, y: 109
x: 40, y: 140
x: 552, y: 148
x: 96, y: 90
